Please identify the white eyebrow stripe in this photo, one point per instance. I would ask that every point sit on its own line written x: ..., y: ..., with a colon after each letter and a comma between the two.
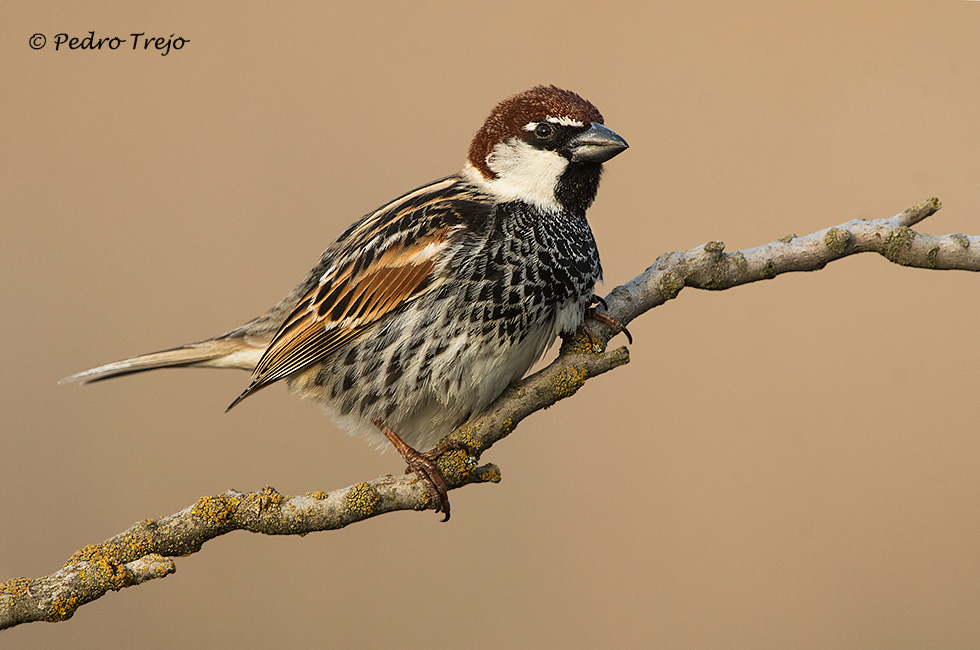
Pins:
x: 564, y: 121
x: 561, y: 121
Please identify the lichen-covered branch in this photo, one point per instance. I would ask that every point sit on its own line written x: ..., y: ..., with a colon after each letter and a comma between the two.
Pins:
x: 147, y: 549
x: 709, y: 267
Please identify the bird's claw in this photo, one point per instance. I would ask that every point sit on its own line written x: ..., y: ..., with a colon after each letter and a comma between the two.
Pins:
x: 596, y: 299
x: 427, y: 472
x: 593, y: 313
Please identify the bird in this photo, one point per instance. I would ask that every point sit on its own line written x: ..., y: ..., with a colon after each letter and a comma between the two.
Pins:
x: 425, y: 310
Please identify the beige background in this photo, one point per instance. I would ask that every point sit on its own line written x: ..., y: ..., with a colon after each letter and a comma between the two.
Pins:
x: 792, y: 464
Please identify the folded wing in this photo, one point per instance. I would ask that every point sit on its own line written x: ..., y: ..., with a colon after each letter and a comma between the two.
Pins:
x: 392, y: 267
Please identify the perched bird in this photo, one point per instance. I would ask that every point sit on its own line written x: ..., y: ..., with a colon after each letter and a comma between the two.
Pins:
x: 425, y: 310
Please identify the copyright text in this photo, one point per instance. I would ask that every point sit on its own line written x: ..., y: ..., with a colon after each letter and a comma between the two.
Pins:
x: 139, y: 40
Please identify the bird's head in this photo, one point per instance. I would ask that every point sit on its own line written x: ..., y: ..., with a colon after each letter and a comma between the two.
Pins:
x: 544, y: 146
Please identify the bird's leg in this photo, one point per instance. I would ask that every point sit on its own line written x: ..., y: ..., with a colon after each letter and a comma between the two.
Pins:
x: 423, y: 467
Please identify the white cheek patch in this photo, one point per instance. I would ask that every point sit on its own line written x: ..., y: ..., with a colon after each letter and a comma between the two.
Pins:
x: 525, y: 174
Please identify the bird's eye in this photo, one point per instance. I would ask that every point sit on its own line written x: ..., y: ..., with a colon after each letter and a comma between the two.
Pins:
x: 544, y: 130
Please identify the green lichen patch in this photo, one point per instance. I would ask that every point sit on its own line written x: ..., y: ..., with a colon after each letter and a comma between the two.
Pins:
x: 584, y: 342
x: 788, y: 238
x: 488, y: 473
x: 14, y: 588
x: 769, y: 270
x: 362, y: 499
x: 961, y: 239
x: 162, y: 566
x: 425, y: 501
x: 466, y: 437
x: 932, y: 256
x: 216, y: 510
x: 738, y: 262
x: 569, y: 380
x: 103, y: 565
x: 897, y: 245
x: 931, y: 205
x: 268, y: 498
x: 61, y: 609
x: 92, y: 553
x: 838, y: 240
x: 726, y: 271
x: 456, y: 466
x: 670, y: 284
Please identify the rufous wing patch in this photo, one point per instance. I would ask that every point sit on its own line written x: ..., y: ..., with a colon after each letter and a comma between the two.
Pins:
x: 347, y: 304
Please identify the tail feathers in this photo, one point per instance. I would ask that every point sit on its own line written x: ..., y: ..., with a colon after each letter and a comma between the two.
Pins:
x: 222, y: 352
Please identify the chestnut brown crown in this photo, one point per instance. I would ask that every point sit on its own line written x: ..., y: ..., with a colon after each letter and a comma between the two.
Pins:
x: 509, y: 118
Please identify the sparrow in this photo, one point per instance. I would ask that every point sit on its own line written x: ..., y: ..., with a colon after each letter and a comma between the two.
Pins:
x: 424, y: 311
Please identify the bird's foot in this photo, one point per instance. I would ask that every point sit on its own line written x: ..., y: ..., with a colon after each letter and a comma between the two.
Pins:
x: 423, y: 466
x: 593, y: 312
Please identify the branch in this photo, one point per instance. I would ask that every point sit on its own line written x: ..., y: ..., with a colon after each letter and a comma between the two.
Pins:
x: 708, y: 267
x: 145, y: 551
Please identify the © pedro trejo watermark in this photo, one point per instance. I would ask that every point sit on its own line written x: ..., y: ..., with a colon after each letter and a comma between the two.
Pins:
x: 140, y: 41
